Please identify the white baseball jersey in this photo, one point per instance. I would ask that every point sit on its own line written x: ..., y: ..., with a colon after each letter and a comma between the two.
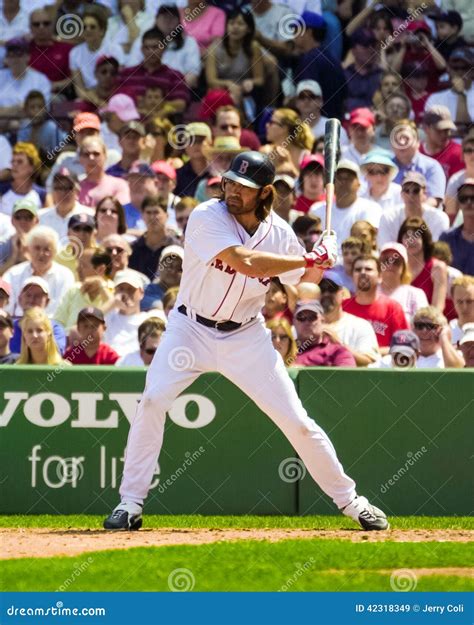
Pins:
x: 212, y: 289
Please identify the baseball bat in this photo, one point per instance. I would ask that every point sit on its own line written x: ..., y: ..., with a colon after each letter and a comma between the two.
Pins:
x: 332, y: 134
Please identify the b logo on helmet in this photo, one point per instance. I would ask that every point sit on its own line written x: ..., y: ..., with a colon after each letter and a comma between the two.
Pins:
x: 244, y: 165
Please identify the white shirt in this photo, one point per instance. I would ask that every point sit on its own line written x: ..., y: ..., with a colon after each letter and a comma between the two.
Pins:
x: 450, y: 99
x: 436, y: 220
x: 8, y: 200
x: 83, y: 60
x: 298, y: 6
x: 455, y: 182
x: 117, y: 31
x: 59, y: 279
x: 276, y: 23
x: 343, y: 219
x: 5, y: 153
x: 13, y: 91
x: 456, y: 331
x: 211, y: 288
x: 122, y: 331
x: 186, y: 60
x: 6, y: 228
x: 410, y: 298
x: 50, y: 217
x: 350, y: 153
x: 319, y: 128
x: 18, y: 27
x: 423, y: 362
x: 133, y: 359
x: 356, y: 333
x: 390, y: 199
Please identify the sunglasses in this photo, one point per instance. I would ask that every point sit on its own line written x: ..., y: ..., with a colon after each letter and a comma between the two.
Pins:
x: 411, y: 190
x: 82, y: 229
x: 424, y: 325
x: 465, y: 199
x: 382, y: 171
x: 307, y: 317
x: 38, y: 24
x: 150, y: 350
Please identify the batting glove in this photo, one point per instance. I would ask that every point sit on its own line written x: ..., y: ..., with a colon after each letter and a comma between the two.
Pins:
x: 323, y: 254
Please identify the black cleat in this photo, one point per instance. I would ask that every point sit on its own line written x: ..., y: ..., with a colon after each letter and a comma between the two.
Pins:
x: 125, y: 517
x: 368, y: 516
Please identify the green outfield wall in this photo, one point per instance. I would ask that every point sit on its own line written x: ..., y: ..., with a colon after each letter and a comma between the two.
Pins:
x: 406, y: 437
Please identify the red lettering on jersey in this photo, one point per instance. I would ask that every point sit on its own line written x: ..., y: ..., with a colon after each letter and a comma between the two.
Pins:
x: 219, y: 264
x: 229, y: 269
x: 264, y: 281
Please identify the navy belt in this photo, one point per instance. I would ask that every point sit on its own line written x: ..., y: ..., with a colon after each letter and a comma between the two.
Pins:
x: 223, y: 326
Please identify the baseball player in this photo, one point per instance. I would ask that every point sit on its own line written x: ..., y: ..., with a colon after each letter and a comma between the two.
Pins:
x: 232, y: 249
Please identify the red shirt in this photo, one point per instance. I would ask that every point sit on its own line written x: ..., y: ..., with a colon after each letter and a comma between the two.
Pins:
x: 450, y: 158
x: 385, y: 314
x: 325, y: 354
x: 134, y: 81
x: 53, y: 60
x: 303, y: 204
x: 105, y: 355
x: 417, y: 104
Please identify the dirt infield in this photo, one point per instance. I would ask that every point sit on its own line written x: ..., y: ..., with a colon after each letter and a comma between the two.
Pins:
x: 43, y: 543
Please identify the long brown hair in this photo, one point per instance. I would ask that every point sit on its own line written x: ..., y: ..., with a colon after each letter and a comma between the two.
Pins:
x: 420, y: 228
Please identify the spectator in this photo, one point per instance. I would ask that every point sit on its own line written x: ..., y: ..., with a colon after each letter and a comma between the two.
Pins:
x: 390, y: 84
x: 385, y: 315
x: 450, y: 203
x: 365, y: 231
x: 414, y: 205
x: 123, y: 322
x: 219, y: 156
x: 428, y: 273
x: 408, y: 158
x: 204, y: 22
x: 314, y: 63
x: 37, y: 127
x: 151, y: 72
x: 91, y: 350
x: 448, y: 28
x: 227, y: 123
x: 41, y: 244
x: 466, y: 345
x: 6, y: 153
x: 283, y: 340
x: 396, y: 108
x: 146, y: 250
x: 278, y: 300
x: 403, y: 353
x: 169, y: 300
x: 83, y: 57
x: 94, y: 288
x: 169, y: 270
x: 308, y: 229
x: 315, y: 348
x: 17, y: 79
x: 461, y: 239
x: 183, y: 210
x: 379, y: 171
x: 24, y: 219
x: 361, y: 134
x: 198, y: 136
x: 13, y: 22
x: 351, y: 248
x: 462, y: 292
x: 363, y: 76
x: 311, y: 182
x: 356, y: 334
x: 437, y: 124
x: 109, y: 218
x: 284, y: 200
x: 47, y: 55
x: 149, y: 336
x: 442, y: 251
x: 118, y: 248
x: 131, y: 141
x: 65, y: 204
x: 26, y: 165
x: 436, y: 350
x: 348, y: 206
x: 80, y: 237
x: 165, y: 184
x: 416, y: 87
x: 396, y: 279
x: 157, y: 146
x: 141, y: 180
x: 5, y: 292
x: 309, y: 100
x: 37, y: 342
x: 97, y: 184
x: 6, y: 333
x: 119, y: 113
x: 127, y: 26
x: 460, y: 97
x: 283, y: 124
x: 235, y: 62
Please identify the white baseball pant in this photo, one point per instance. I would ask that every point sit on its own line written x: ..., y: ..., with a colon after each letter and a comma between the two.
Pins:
x: 248, y: 359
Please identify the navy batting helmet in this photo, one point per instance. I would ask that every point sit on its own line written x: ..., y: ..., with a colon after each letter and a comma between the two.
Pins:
x: 251, y: 169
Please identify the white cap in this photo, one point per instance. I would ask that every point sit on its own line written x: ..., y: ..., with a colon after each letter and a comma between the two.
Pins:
x: 468, y: 336
x: 41, y: 282
x: 392, y: 246
x: 170, y: 250
x: 288, y: 180
x: 129, y: 277
x: 309, y: 85
x: 350, y: 165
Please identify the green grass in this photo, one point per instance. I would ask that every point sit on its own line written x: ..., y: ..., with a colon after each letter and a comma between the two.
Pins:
x: 199, y: 521
x: 309, y: 565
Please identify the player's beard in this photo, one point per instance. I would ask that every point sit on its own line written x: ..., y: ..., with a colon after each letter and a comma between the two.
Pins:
x: 235, y: 206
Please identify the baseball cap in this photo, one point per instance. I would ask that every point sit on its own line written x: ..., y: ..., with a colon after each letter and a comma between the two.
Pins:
x: 83, y: 219
x: 363, y: 37
x: 215, y: 180
x: 198, y: 129
x: 226, y: 144
x: 349, y: 165
x: 416, y: 177
x: 107, y: 59
x: 331, y: 284
x: 440, y: 117
x: 468, y: 336
x: 38, y: 281
x: 128, y: 277
x: 172, y: 250
x: 91, y: 311
x: 86, y: 120
x: 468, y: 182
x: 392, y: 246
x: 404, y: 342
x: 311, y: 304
x: 450, y: 17
x: 17, y: 43
x: 25, y: 205
x: 379, y: 158
x: 4, y: 286
x: 462, y: 54
x: 417, y: 25
x: 123, y: 106
x: 214, y: 99
x: 141, y: 168
x: 363, y: 117
x: 133, y: 126
x: 312, y: 20
x: 309, y: 85
x: 288, y: 180
x: 162, y: 167
x: 312, y: 158
x: 64, y: 174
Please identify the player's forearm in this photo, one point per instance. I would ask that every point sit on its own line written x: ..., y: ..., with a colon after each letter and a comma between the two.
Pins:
x: 267, y: 265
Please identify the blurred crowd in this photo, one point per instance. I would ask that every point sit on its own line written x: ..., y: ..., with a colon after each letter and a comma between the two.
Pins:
x: 118, y: 117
